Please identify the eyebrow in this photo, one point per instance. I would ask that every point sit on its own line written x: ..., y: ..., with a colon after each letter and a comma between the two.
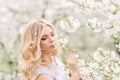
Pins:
x: 50, y: 33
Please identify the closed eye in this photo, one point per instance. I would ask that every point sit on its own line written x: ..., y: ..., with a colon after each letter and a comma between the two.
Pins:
x: 43, y: 39
x: 53, y: 35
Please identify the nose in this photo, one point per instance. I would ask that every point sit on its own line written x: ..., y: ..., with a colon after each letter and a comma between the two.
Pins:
x: 51, y: 39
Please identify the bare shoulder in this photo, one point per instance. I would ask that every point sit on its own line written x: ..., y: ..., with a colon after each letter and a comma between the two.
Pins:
x: 44, y: 77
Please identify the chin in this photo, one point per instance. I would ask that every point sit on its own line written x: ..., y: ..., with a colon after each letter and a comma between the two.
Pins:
x: 54, y: 51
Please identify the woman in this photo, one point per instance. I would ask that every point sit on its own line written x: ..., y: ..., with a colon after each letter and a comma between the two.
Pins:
x: 38, y: 54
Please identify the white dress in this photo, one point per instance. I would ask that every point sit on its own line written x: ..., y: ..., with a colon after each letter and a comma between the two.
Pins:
x: 58, y: 69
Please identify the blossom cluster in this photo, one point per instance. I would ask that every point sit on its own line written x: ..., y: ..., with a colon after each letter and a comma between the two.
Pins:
x: 102, y: 65
x: 101, y: 16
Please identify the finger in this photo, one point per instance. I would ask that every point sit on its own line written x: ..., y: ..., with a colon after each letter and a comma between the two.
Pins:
x: 76, y: 55
x: 73, y: 57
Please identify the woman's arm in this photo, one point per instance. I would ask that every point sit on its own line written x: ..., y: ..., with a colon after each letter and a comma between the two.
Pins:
x: 74, y: 76
x: 44, y: 77
x: 72, y: 63
x: 75, y: 73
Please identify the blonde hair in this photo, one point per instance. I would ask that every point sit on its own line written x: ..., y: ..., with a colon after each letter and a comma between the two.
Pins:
x: 30, y: 48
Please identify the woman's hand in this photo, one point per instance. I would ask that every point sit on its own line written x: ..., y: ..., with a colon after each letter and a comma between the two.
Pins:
x: 72, y: 62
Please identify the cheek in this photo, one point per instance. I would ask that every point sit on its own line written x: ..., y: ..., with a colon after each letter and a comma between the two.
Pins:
x: 44, y: 45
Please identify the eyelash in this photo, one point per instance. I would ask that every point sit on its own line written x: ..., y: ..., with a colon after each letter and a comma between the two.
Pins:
x: 45, y: 38
x: 53, y: 35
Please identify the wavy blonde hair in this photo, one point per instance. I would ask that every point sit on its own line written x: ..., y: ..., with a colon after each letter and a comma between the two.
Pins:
x: 30, y: 58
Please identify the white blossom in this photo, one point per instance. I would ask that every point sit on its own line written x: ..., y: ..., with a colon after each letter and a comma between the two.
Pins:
x: 70, y: 24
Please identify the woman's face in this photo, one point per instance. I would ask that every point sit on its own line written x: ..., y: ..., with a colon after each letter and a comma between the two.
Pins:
x: 48, y: 43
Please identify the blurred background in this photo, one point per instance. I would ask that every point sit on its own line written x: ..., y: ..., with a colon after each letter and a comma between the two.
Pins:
x: 71, y: 21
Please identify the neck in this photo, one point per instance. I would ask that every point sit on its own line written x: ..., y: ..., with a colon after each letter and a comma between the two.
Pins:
x: 48, y: 60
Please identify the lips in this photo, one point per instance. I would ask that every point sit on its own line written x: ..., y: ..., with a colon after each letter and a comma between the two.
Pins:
x: 52, y: 46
